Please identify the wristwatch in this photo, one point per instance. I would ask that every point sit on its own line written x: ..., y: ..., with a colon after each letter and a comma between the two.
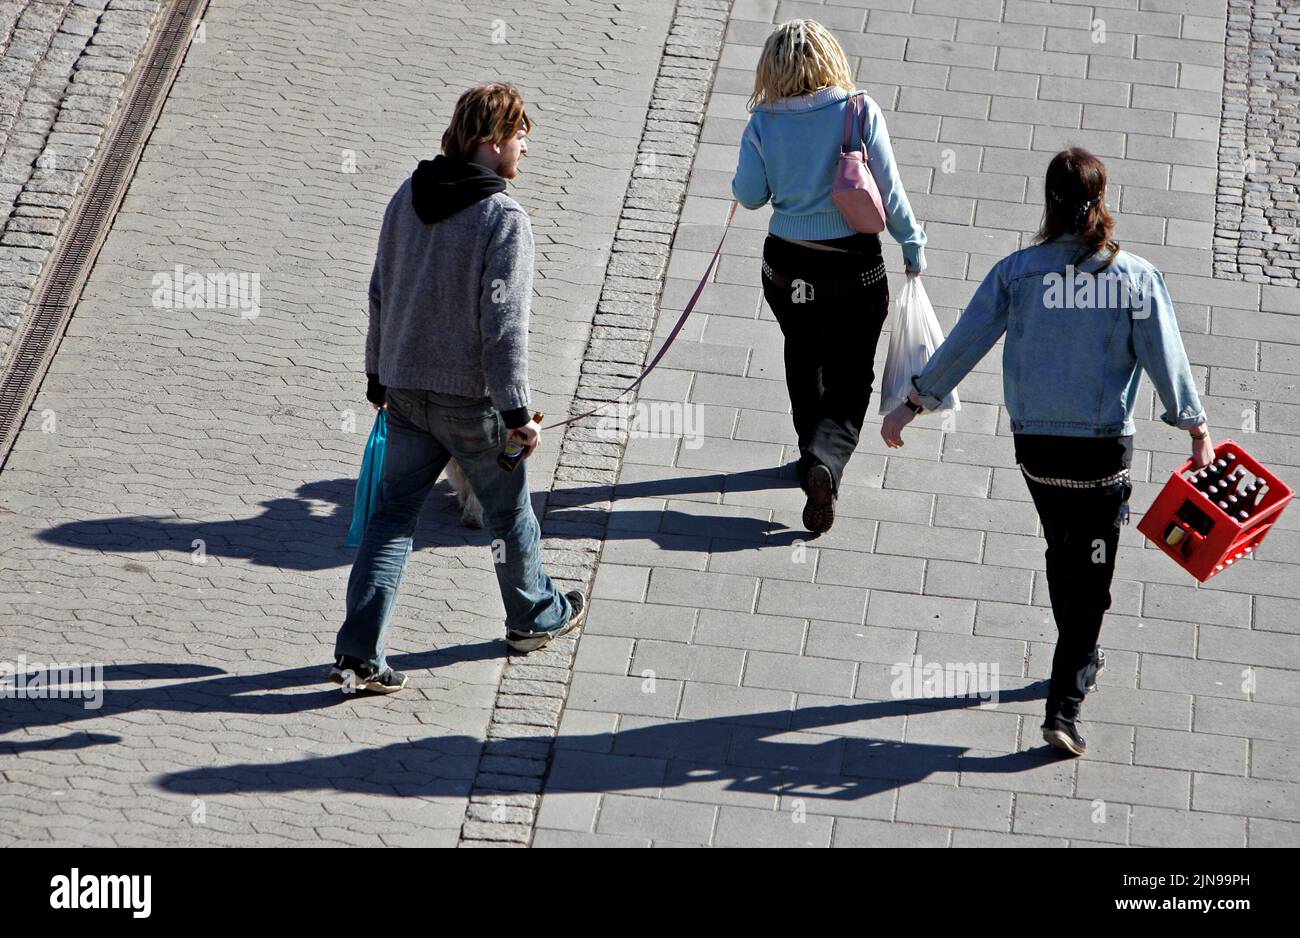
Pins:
x: 1204, y: 433
x: 914, y: 408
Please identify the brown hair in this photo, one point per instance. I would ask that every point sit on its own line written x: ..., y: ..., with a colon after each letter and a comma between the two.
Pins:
x: 487, y: 113
x: 1074, y: 198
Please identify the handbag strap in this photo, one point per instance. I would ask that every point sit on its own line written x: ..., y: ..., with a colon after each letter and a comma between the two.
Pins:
x: 850, y: 119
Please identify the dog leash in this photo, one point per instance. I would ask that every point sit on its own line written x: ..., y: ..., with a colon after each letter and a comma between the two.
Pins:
x: 677, y: 328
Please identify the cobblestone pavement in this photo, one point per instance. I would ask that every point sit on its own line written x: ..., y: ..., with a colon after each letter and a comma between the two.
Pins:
x: 63, y: 64
x: 181, y: 521
x: 516, y: 756
x: 733, y: 685
x: 1258, y: 236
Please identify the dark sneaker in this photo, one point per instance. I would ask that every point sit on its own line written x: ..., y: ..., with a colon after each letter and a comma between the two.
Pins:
x: 355, y: 675
x: 819, y: 512
x: 523, y: 642
x: 1099, y: 662
x: 1063, y: 734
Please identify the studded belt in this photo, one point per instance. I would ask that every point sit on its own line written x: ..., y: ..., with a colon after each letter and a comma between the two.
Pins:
x: 839, y: 285
x: 1077, y: 483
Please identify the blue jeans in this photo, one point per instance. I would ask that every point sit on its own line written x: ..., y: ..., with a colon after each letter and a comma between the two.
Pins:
x: 425, y: 430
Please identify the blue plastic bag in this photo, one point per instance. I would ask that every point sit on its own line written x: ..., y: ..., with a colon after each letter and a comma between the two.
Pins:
x: 372, y: 470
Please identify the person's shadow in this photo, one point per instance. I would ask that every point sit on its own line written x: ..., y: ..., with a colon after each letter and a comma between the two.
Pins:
x: 200, y: 689
x: 306, y: 532
x: 739, y: 752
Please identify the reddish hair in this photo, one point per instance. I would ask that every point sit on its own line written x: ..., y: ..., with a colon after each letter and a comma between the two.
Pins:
x: 488, y: 113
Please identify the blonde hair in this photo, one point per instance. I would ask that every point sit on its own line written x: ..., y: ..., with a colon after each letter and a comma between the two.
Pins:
x: 488, y: 113
x: 799, y: 57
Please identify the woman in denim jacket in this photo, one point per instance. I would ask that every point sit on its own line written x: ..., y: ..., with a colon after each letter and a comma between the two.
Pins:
x: 824, y: 282
x: 1082, y: 320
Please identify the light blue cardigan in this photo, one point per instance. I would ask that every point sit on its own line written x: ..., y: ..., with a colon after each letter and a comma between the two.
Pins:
x: 788, y: 154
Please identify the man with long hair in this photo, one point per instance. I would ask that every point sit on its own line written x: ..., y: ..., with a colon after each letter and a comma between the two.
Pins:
x: 447, y: 357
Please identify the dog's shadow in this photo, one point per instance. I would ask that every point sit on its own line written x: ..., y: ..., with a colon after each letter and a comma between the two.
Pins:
x: 303, y: 532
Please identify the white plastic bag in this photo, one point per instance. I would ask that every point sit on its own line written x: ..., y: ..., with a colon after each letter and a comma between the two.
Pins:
x: 913, y: 339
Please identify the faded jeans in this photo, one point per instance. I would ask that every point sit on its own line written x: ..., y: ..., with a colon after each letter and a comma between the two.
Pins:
x: 425, y: 430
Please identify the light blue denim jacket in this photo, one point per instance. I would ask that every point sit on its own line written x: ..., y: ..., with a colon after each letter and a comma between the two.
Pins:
x: 1076, y: 344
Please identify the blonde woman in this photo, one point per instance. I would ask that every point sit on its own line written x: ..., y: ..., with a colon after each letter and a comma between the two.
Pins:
x: 824, y: 282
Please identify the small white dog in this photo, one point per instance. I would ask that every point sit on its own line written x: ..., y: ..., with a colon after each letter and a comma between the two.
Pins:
x: 471, y: 512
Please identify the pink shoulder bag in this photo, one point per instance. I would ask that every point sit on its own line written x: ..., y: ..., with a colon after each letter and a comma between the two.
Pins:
x: 854, y: 190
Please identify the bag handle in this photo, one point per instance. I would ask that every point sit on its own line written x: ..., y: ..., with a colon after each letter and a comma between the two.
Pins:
x: 850, y: 119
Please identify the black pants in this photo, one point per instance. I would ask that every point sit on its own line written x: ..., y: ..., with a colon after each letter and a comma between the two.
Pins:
x: 1082, y: 531
x: 831, y: 316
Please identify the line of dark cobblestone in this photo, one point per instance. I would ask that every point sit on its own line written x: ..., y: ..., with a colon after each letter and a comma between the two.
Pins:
x: 503, y: 802
x: 1257, y: 218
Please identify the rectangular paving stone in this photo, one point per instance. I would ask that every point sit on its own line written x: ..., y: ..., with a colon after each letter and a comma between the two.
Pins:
x: 676, y: 661
x: 672, y: 739
x: 1159, y: 709
x: 1165, y: 827
x: 794, y: 752
x: 1073, y: 818
x: 1246, y: 646
x: 1194, y: 605
x: 923, y: 613
x: 860, y: 832
x: 703, y: 783
x: 834, y: 603
x: 873, y: 571
x: 675, y: 822
x: 614, y: 581
x: 834, y: 640
x: 1262, y: 832
x: 572, y: 770
x: 947, y: 806
x: 1252, y: 719
x: 1273, y: 760
x: 603, y: 654
x: 747, y: 827
x: 949, y: 53
x: 577, y: 839
x: 946, y: 478
x: 985, y: 514
x: 570, y: 811
x: 966, y: 727
x: 747, y: 705
x: 975, y: 581
x: 1264, y: 798
x: 1133, y: 784
x: 708, y: 590
x: 798, y: 673
x: 639, y: 620
x: 985, y: 839
x: 746, y: 630
x: 645, y: 696
x: 795, y: 562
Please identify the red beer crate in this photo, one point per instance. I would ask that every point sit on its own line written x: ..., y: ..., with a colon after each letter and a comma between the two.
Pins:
x: 1211, y: 540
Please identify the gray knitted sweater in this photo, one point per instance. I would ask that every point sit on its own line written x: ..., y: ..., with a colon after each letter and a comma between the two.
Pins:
x: 449, y: 301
